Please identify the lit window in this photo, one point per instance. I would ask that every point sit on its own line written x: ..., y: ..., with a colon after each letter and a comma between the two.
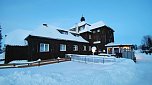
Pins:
x: 62, y: 47
x: 75, y: 47
x: 89, y: 36
x: 44, y: 47
x: 90, y: 48
x: 98, y: 30
x: 109, y: 50
x: 84, y: 48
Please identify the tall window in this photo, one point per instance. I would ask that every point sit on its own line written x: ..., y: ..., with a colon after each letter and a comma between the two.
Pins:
x: 75, y: 47
x: 62, y: 47
x: 89, y: 36
x: 90, y: 48
x: 44, y: 47
x: 84, y: 48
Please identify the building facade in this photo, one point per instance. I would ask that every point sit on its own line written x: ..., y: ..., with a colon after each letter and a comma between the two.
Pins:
x: 49, y: 42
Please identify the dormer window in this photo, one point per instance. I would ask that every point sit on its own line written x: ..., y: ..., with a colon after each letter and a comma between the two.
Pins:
x: 63, y: 32
x: 82, y: 28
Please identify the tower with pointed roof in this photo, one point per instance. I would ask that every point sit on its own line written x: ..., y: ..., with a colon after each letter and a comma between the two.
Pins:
x: 82, y: 19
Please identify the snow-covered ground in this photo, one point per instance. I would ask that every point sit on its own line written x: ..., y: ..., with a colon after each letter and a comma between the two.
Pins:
x: 122, y: 72
x: 144, y: 69
x: 2, y: 56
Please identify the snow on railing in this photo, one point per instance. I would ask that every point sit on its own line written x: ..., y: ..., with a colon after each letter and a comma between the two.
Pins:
x: 91, y: 58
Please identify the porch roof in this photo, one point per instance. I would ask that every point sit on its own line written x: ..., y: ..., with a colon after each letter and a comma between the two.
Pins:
x: 117, y: 45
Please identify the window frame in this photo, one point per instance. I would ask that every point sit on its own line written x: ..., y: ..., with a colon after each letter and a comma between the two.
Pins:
x: 90, y: 48
x: 62, y: 47
x: 84, y: 48
x: 75, y: 48
x: 44, y: 47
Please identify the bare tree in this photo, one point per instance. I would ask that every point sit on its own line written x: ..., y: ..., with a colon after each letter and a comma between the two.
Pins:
x: 146, y: 43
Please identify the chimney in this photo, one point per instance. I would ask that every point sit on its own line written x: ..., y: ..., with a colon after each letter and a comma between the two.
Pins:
x: 45, y: 25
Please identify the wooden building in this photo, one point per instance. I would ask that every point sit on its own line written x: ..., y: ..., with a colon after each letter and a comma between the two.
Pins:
x: 49, y: 42
x: 98, y: 34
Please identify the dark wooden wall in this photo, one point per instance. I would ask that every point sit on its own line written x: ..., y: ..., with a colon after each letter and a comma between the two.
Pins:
x: 54, y: 48
x: 105, y: 36
x: 16, y: 53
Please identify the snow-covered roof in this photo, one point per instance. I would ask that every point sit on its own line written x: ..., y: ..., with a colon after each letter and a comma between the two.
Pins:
x: 52, y: 32
x: 115, y: 44
x: 88, y: 27
x: 79, y: 24
x: 17, y: 37
x: 97, y: 24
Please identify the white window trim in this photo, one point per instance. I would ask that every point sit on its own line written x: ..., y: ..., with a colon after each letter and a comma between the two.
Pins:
x: 43, y: 48
x: 75, y: 47
x: 84, y: 48
x: 63, y: 47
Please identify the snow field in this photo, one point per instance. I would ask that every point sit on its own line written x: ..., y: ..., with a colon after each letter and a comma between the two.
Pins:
x: 71, y: 73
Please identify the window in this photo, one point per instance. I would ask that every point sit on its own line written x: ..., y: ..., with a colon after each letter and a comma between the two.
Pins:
x: 65, y: 33
x: 81, y: 28
x: 84, y: 48
x: 62, y: 47
x: 98, y: 30
x: 75, y: 47
x: 116, y: 50
x: 90, y: 48
x: 44, y: 47
x: 89, y: 36
x: 94, y: 31
x: 109, y: 50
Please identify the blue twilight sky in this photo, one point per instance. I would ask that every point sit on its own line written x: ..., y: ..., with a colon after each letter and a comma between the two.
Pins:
x: 131, y: 19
